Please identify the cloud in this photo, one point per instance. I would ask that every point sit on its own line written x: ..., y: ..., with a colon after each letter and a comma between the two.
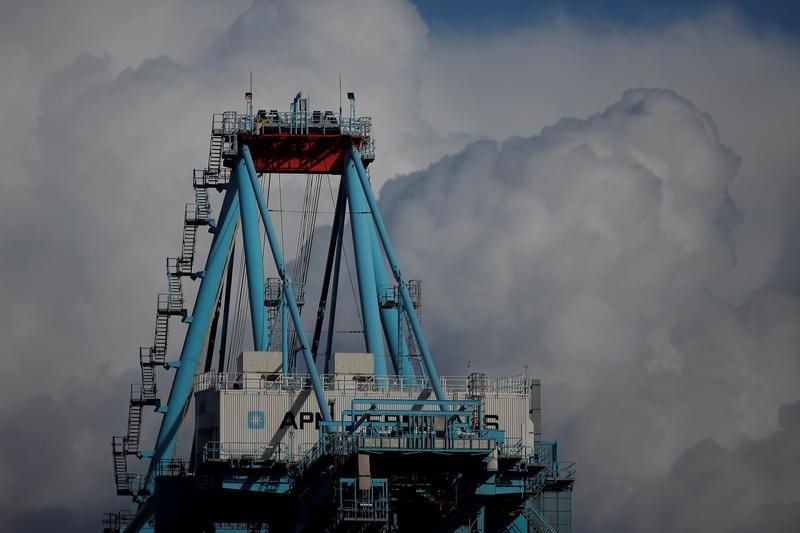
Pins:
x: 744, y: 488
x: 99, y: 158
x: 590, y: 253
x: 639, y: 260
x: 532, y: 77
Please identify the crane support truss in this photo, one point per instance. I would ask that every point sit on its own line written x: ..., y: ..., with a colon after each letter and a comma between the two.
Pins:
x: 441, y: 427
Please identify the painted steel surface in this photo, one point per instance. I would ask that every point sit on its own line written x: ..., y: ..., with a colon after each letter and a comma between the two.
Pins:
x: 252, y: 254
x: 430, y: 367
x: 299, y: 154
x: 360, y: 225
x: 389, y: 315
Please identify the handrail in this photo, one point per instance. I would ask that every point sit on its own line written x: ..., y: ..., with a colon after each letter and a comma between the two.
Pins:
x: 222, y: 451
x: 231, y: 123
x: 278, y: 382
x: 535, y: 518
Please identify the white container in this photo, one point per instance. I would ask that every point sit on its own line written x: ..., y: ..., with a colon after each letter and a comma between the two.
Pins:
x: 287, y: 421
x: 352, y: 363
x: 259, y: 362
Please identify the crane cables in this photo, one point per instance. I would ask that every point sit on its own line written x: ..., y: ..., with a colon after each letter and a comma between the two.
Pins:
x: 305, y: 242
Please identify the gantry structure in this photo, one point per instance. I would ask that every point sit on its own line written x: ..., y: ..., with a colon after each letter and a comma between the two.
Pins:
x: 295, y: 434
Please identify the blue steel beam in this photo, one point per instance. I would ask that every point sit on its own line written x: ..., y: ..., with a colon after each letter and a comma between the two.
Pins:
x: 326, y: 277
x: 335, y: 287
x: 143, y: 514
x: 252, y: 255
x: 360, y: 225
x: 192, y: 345
x: 284, y: 309
x: 427, y: 359
x: 389, y: 315
x: 274, y: 245
x: 226, y: 311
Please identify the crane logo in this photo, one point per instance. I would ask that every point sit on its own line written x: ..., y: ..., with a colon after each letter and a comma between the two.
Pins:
x: 256, y: 420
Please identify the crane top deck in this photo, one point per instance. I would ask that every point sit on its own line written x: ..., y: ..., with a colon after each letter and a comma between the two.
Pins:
x: 298, y: 141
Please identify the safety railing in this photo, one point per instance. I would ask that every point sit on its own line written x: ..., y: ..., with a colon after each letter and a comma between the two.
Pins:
x: 227, y: 123
x: 214, y: 451
x: 170, y: 303
x: 383, y: 424
x: 514, y: 447
x: 546, y: 453
x: 454, y: 387
x: 197, y: 213
x: 370, y: 505
x: 231, y: 123
x: 536, y: 519
x: 135, y: 483
x: 202, y: 178
x: 116, y: 521
x: 178, y: 266
x: 141, y: 392
x: 309, y: 459
x: 172, y: 467
x: 566, y: 470
x: 238, y: 527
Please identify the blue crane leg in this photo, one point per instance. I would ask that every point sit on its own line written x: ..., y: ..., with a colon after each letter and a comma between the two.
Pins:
x: 427, y: 360
x: 337, y: 262
x: 284, y: 336
x: 226, y: 312
x: 196, y: 333
x: 254, y: 259
x: 274, y: 246
x: 360, y: 225
x: 143, y: 514
x: 389, y: 315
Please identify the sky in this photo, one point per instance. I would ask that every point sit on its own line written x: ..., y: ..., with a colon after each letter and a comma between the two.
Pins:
x: 447, y: 15
x: 602, y: 192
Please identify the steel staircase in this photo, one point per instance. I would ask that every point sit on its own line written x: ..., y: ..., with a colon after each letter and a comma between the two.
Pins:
x: 195, y: 214
x: 169, y: 304
x: 120, y: 466
x: 535, y: 484
x: 160, y: 339
x: 536, y: 520
x: 134, y: 428
x: 147, y: 365
x: 188, y: 244
x: 141, y: 395
x: 215, y: 153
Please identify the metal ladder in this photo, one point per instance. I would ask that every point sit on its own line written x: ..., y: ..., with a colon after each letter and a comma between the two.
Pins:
x: 188, y: 240
x: 201, y: 200
x: 141, y: 394
x: 120, y: 466
x: 160, y: 339
x: 134, y: 428
x: 215, y: 153
x: 536, y: 520
x: 147, y: 365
